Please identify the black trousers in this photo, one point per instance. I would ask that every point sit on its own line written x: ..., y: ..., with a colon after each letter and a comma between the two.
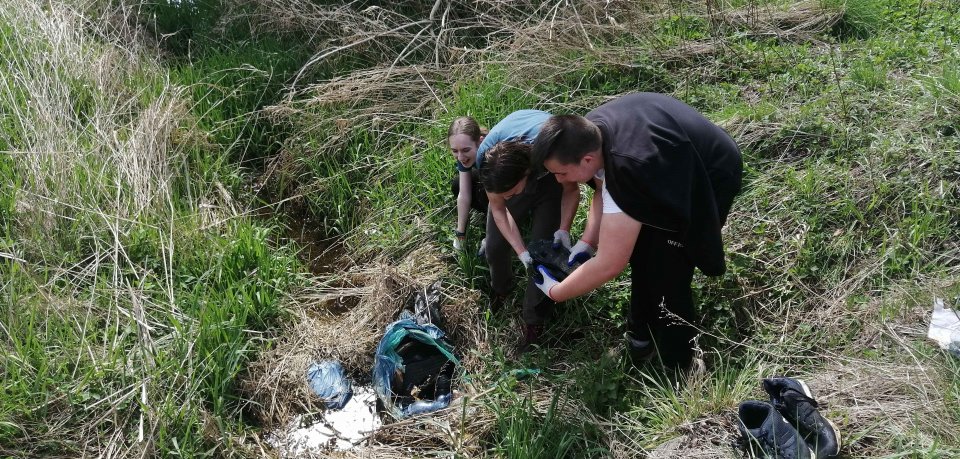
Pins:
x: 538, y: 204
x: 661, y: 300
x: 478, y: 199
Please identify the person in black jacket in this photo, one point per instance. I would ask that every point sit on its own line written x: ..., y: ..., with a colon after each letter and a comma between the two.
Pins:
x: 665, y: 178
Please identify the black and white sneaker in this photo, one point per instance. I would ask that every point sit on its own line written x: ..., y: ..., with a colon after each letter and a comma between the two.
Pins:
x: 767, y: 434
x: 793, y: 399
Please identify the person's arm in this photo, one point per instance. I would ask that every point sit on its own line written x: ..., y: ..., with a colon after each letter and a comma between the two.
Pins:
x: 587, y: 245
x: 568, y: 205
x: 508, y: 228
x: 618, y: 235
x: 463, y: 201
x: 591, y: 232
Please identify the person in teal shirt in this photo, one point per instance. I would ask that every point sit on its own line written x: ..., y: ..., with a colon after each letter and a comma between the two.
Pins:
x: 540, y: 199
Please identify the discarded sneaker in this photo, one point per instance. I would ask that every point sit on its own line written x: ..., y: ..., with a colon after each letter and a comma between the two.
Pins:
x: 530, y: 337
x: 793, y: 399
x: 768, y: 435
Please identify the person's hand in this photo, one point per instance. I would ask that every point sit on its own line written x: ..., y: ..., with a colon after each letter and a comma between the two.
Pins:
x: 561, y: 238
x: 527, y: 260
x: 544, y: 281
x: 483, y: 248
x: 459, y: 240
x: 580, y: 253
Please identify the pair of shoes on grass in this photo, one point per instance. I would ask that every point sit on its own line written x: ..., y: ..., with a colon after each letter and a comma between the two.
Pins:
x: 789, y: 426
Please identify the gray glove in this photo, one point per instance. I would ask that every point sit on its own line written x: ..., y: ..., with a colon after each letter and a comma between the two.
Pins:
x: 580, y: 253
x: 526, y: 259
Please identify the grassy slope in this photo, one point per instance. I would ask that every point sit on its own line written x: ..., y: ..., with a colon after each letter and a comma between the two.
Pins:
x: 135, y: 288
x: 847, y: 223
x: 137, y: 304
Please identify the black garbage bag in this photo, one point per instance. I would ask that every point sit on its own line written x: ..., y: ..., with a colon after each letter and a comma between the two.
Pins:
x: 414, y: 362
x: 553, y: 259
x: 413, y: 368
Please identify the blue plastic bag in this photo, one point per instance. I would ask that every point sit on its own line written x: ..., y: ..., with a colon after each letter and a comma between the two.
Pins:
x: 427, y: 345
x: 328, y: 380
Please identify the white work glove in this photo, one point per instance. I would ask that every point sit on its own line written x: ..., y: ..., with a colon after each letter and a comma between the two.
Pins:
x: 483, y: 248
x: 459, y: 240
x: 527, y: 260
x: 544, y: 281
x: 561, y: 237
x: 580, y: 253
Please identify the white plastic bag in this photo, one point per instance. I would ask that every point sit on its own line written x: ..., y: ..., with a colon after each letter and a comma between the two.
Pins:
x: 944, y: 325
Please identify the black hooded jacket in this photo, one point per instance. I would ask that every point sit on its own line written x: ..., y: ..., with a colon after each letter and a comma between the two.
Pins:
x: 669, y: 167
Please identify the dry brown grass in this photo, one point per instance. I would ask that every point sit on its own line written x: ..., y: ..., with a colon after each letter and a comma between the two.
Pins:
x: 711, y: 437
x: 545, y: 46
x: 342, y: 317
x: 408, y: 60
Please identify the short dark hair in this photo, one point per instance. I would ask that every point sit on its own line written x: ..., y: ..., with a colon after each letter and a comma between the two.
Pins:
x: 566, y: 138
x: 504, y: 165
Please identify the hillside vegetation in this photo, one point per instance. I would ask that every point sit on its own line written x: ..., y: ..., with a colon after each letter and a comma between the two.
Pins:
x: 201, y: 198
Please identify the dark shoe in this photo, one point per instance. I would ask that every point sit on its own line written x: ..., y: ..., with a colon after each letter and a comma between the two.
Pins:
x: 496, y: 302
x: 639, y: 351
x: 531, y: 337
x: 793, y: 399
x: 768, y: 435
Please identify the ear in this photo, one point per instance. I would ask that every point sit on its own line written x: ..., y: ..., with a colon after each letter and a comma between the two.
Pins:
x: 481, y: 139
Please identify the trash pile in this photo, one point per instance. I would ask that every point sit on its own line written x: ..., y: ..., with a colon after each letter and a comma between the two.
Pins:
x: 414, y: 368
x: 413, y: 373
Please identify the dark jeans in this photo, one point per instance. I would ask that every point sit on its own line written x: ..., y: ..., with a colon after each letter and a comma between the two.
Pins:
x: 661, y: 301
x: 478, y: 197
x: 540, y: 205
x: 660, y: 287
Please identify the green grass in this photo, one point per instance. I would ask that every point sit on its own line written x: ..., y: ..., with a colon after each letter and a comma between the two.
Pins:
x: 849, y: 192
x: 137, y: 288
x: 133, y: 293
x: 523, y: 431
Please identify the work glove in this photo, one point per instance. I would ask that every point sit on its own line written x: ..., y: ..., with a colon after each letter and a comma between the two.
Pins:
x: 459, y: 240
x: 544, y: 280
x: 483, y: 248
x: 561, y: 237
x: 527, y: 260
x: 580, y: 253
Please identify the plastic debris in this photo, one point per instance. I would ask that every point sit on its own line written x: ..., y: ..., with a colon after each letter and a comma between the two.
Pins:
x: 333, y: 430
x: 327, y: 380
x: 521, y: 373
x: 424, y: 305
x: 945, y: 327
x: 413, y: 368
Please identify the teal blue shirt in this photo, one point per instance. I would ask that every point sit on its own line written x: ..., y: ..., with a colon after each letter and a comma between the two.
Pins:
x: 521, y: 125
